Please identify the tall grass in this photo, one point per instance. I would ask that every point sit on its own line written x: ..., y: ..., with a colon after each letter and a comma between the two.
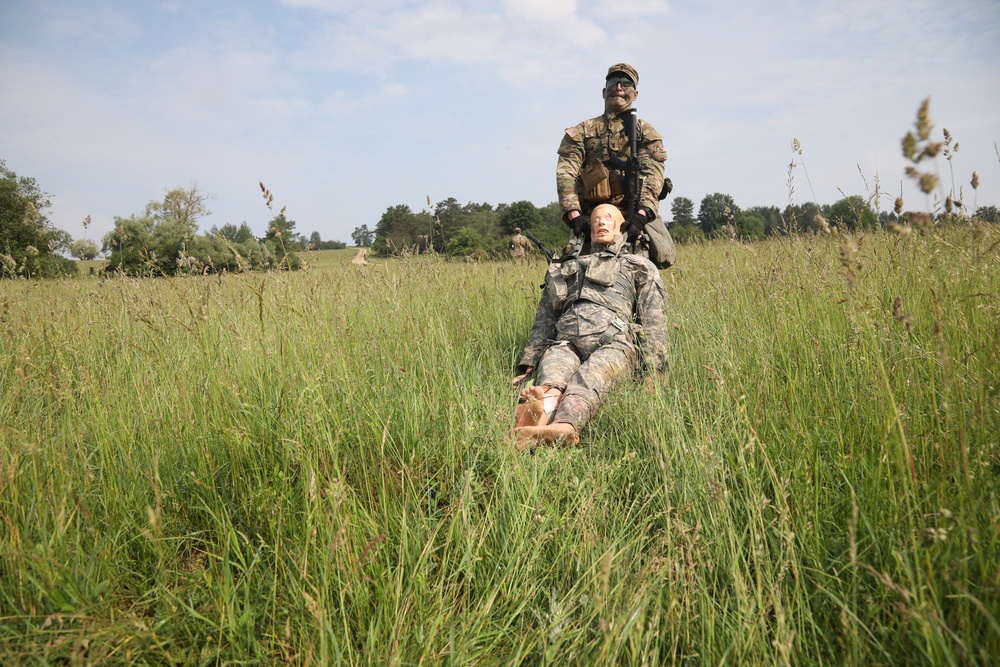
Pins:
x: 316, y: 468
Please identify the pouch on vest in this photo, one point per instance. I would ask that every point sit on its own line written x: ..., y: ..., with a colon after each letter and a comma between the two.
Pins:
x: 560, y: 275
x: 596, y: 185
x: 660, y: 245
x: 616, y: 181
x: 602, y: 271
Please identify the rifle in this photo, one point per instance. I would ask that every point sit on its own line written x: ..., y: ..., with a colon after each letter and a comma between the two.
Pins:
x: 549, y: 254
x: 632, y: 185
x: 633, y: 181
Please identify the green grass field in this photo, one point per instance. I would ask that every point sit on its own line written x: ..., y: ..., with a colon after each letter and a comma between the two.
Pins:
x: 316, y: 468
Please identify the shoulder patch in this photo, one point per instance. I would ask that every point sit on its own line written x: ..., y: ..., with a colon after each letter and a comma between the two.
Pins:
x: 573, y: 133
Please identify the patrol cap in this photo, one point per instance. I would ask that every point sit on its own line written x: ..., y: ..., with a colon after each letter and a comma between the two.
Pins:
x: 623, y: 68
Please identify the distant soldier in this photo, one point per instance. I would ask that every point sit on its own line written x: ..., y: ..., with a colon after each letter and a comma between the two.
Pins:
x: 591, y: 170
x: 520, y: 246
x: 600, y: 318
x: 361, y: 257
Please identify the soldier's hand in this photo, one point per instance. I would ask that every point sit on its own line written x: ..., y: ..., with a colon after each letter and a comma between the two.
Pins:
x: 636, y: 223
x: 579, y: 224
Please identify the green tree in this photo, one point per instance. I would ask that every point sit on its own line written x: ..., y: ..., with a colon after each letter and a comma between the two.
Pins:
x: 84, y: 249
x: 401, y: 230
x: 362, y: 236
x: 482, y: 219
x: 682, y: 210
x: 717, y: 211
x: 164, y: 239
x: 446, y: 221
x: 181, y: 206
x: 129, y: 246
x: 988, y: 214
x: 852, y: 213
x: 232, y: 233
x: 800, y: 217
x: 687, y: 234
x: 749, y: 226
x: 552, y: 232
x: 520, y: 214
x: 771, y: 215
x: 282, y: 230
x: 466, y: 243
x: 28, y: 241
x: 157, y: 240
x: 59, y: 240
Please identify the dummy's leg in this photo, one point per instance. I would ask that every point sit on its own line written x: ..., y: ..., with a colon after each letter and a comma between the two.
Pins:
x: 606, y: 368
x: 536, y: 406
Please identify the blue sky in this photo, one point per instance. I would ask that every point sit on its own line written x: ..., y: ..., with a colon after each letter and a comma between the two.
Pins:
x: 346, y: 108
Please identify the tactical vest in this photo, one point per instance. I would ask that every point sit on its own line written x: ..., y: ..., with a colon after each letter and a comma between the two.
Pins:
x: 598, y: 278
x: 600, y: 180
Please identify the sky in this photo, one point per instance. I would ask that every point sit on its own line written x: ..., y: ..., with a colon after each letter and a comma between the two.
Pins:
x: 346, y: 108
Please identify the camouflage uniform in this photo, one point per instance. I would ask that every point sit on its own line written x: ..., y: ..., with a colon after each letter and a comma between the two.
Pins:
x: 519, y: 246
x: 600, y: 319
x: 596, y: 141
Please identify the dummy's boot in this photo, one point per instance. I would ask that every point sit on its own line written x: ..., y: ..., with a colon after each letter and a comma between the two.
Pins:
x: 536, y: 406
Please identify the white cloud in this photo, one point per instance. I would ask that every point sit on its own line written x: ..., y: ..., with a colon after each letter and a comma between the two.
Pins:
x: 631, y: 9
x: 550, y: 10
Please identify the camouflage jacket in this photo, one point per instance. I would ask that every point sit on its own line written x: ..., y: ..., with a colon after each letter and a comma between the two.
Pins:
x: 599, y: 139
x: 583, y: 296
x: 519, y: 245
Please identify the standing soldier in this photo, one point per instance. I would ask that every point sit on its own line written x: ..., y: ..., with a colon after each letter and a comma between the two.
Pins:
x: 519, y: 245
x: 591, y: 170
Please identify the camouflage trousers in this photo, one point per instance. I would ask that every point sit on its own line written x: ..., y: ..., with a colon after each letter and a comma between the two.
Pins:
x: 586, y: 372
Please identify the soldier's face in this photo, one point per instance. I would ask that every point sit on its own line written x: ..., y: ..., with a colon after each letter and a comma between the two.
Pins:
x: 604, y: 225
x: 618, y: 94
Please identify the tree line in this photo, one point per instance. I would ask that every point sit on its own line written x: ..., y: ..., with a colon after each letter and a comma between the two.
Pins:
x: 482, y: 231
x: 161, y: 240
x: 477, y: 230
x: 164, y: 240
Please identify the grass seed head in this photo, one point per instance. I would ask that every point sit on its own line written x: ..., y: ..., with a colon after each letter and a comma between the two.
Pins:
x: 924, y: 123
x: 927, y: 183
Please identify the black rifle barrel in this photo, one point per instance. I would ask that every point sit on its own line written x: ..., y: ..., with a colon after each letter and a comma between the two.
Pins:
x: 633, y: 180
x: 549, y: 254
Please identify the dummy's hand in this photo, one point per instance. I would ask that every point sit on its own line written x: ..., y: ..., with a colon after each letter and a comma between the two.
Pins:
x: 523, y: 377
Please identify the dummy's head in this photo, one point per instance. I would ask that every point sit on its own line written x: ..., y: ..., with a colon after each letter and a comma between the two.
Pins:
x: 605, y: 224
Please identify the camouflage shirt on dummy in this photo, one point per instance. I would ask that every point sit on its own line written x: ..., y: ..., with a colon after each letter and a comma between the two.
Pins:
x: 597, y: 140
x: 584, y: 297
